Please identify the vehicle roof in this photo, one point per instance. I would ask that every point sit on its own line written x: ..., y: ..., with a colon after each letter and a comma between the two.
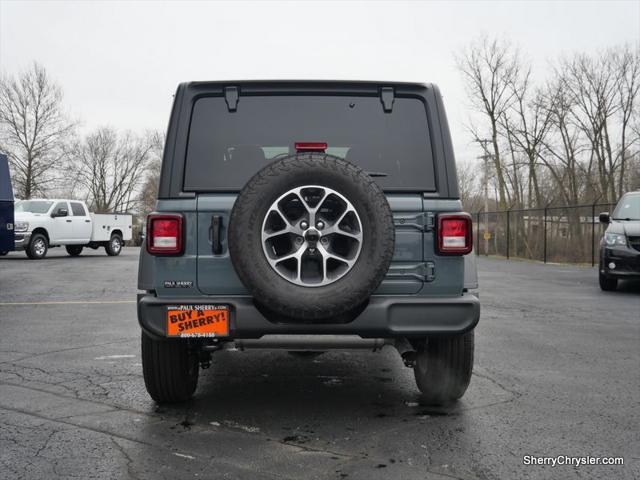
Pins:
x: 307, y: 82
x: 298, y: 87
x: 55, y: 199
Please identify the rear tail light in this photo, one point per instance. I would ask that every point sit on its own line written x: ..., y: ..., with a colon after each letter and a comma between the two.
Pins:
x: 455, y: 235
x: 164, y: 234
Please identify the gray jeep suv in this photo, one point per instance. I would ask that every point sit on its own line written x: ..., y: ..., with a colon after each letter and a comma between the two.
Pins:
x: 306, y: 216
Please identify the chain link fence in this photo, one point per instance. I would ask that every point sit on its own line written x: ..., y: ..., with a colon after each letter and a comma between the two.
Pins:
x: 567, y: 234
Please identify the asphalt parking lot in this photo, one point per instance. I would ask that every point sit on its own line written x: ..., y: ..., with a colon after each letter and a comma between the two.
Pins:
x: 557, y: 373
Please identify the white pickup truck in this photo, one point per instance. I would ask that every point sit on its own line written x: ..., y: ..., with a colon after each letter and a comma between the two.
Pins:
x: 44, y: 223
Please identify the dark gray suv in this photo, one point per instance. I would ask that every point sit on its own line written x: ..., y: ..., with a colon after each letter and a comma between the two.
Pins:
x: 620, y: 245
x: 307, y: 216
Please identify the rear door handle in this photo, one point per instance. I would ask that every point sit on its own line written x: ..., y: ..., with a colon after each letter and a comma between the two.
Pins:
x: 216, y: 228
x: 87, y: 221
x: 68, y: 221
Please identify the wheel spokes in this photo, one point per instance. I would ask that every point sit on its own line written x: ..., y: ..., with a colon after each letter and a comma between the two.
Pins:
x: 335, y: 228
x: 305, y: 196
x: 312, y: 235
x: 287, y: 228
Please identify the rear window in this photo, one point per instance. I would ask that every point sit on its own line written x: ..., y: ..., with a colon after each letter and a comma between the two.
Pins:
x: 78, y: 209
x: 226, y: 148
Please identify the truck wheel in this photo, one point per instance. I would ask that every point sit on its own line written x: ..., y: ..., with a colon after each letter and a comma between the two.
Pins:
x: 3, y: 253
x: 443, y: 368
x: 114, y: 247
x: 74, y: 250
x: 37, y: 248
x: 170, y: 370
x: 607, y: 284
x: 311, y: 236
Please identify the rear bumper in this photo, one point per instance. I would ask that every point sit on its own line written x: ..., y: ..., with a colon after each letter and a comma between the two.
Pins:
x: 384, y: 317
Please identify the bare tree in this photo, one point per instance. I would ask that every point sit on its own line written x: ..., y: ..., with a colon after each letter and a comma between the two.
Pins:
x: 561, y: 152
x: 526, y: 124
x: 112, y: 168
x: 573, y: 141
x: 149, y: 193
x: 626, y: 61
x: 33, y: 129
x: 469, y: 186
x: 604, y: 90
x: 489, y: 68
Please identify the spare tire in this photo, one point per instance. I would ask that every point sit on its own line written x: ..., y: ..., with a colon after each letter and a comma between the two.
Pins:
x: 311, y: 236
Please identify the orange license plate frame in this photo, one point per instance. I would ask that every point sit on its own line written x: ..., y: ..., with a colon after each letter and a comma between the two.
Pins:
x: 197, y: 321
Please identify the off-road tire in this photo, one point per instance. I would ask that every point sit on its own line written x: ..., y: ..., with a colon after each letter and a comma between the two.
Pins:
x: 170, y: 370
x: 74, y: 250
x: 443, y: 368
x: 289, y: 300
x: 32, y: 251
x: 305, y: 354
x: 111, y: 248
x: 607, y: 284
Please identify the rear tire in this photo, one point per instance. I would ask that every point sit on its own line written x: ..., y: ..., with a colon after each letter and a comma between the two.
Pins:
x: 114, y: 247
x: 37, y: 248
x: 443, y: 368
x: 170, y: 370
x: 74, y: 250
x: 3, y: 253
x: 305, y: 354
x: 607, y: 284
x: 293, y: 298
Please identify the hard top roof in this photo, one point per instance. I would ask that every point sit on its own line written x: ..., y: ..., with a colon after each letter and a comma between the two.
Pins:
x: 372, y: 83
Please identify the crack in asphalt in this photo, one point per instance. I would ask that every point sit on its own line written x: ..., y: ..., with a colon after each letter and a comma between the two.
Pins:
x: 94, y: 385
x: 115, y: 408
x: 46, y: 443
x: 486, y: 376
x: 80, y: 399
x: 321, y: 450
x: 112, y: 436
x: 346, y: 457
x: 127, y: 458
x: 41, y: 354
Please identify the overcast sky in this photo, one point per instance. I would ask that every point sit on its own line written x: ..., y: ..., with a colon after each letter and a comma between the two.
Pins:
x: 120, y: 62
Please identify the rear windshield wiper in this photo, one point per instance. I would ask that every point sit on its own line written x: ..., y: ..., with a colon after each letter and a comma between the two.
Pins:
x: 377, y: 174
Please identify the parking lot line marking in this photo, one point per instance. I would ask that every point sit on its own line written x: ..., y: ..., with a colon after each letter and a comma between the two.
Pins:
x: 71, y: 302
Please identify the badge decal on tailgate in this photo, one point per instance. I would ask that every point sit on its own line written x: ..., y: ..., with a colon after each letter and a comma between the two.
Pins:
x: 197, y: 321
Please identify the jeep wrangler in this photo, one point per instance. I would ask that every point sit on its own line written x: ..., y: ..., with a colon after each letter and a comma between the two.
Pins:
x: 307, y: 216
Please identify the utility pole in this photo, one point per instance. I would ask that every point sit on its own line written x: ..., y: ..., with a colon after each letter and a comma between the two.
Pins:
x: 485, y: 157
